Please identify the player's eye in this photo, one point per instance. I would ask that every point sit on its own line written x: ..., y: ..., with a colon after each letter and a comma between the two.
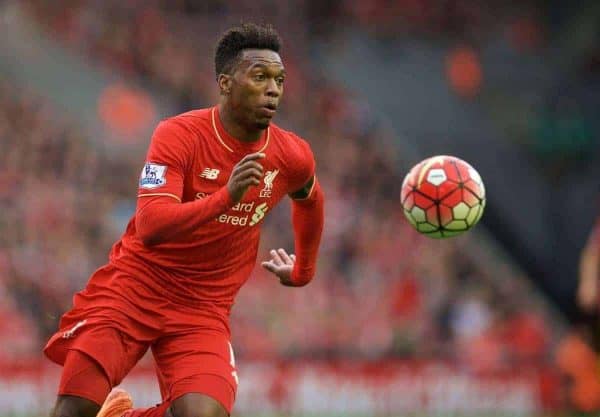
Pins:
x: 280, y: 80
x: 259, y: 77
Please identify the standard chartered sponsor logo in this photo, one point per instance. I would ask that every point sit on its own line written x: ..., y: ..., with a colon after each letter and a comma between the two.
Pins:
x: 237, y: 215
x: 259, y: 213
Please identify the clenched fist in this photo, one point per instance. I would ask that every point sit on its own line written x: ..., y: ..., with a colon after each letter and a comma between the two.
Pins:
x: 248, y: 172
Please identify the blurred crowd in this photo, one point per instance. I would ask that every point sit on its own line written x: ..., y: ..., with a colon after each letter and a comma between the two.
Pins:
x: 378, y: 293
x: 381, y: 290
x: 55, y: 197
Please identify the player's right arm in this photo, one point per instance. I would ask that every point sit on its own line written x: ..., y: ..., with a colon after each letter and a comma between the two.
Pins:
x: 160, y: 214
x: 297, y: 270
x: 589, y: 272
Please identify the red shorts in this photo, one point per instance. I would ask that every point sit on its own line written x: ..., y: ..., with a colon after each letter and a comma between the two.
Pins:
x: 115, y: 319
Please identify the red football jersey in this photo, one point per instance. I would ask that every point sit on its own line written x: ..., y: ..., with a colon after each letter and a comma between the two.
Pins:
x: 190, y: 157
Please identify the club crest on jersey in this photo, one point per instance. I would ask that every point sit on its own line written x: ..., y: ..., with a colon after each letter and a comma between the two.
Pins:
x: 268, y: 180
x: 153, y: 176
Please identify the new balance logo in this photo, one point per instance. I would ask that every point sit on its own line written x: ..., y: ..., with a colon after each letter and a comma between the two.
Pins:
x: 210, y: 173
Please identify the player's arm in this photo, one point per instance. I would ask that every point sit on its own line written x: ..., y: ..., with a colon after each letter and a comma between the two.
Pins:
x: 307, y: 219
x: 589, y: 273
x: 160, y: 214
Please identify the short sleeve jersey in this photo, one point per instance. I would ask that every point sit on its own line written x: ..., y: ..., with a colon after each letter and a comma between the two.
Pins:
x: 191, y: 156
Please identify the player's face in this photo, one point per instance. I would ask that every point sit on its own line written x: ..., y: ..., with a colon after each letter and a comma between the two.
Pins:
x: 257, y: 87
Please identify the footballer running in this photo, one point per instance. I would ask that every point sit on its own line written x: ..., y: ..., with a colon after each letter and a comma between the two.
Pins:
x: 210, y: 178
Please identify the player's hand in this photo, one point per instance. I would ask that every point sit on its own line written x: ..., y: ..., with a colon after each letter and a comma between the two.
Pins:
x: 587, y: 297
x: 245, y: 173
x: 281, y: 265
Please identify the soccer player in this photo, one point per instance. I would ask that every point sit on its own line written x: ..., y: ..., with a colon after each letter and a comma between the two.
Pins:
x: 210, y: 177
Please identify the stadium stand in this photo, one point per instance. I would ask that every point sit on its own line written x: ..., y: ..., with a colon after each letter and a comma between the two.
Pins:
x: 377, y: 294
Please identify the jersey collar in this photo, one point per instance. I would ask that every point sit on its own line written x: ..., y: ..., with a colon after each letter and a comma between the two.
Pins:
x: 235, y: 145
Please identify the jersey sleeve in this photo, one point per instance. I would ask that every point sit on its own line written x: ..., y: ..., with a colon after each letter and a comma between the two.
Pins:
x: 166, y: 162
x: 302, y: 173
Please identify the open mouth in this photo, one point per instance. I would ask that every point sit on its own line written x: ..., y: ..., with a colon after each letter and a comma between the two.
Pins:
x: 269, y: 109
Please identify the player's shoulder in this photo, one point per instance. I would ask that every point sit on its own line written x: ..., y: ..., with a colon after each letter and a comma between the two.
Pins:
x: 188, y: 121
x: 295, y: 156
x: 291, y: 143
x: 183, y: 127
x: 194, y: 116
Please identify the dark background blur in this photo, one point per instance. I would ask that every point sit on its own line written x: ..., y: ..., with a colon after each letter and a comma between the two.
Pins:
x: 375, y: 86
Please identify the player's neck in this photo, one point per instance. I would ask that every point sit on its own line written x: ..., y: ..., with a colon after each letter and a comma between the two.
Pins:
x: 235, y: 129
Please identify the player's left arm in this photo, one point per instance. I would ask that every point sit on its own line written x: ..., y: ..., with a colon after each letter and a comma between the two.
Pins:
x: 307, y: 219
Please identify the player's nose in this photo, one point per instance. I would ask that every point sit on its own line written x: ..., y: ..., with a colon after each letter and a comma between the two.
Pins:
x: 272, y: 89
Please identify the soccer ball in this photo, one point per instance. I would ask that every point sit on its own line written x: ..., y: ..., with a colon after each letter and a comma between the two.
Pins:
x: 443, y: 196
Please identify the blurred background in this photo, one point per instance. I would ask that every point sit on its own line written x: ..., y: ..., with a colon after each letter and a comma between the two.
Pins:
x: 395, y: 324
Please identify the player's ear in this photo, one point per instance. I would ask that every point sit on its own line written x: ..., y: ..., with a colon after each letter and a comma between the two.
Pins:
x: 224, y: 81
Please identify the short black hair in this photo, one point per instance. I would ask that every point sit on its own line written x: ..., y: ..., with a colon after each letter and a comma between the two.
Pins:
x: 245, y: 36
